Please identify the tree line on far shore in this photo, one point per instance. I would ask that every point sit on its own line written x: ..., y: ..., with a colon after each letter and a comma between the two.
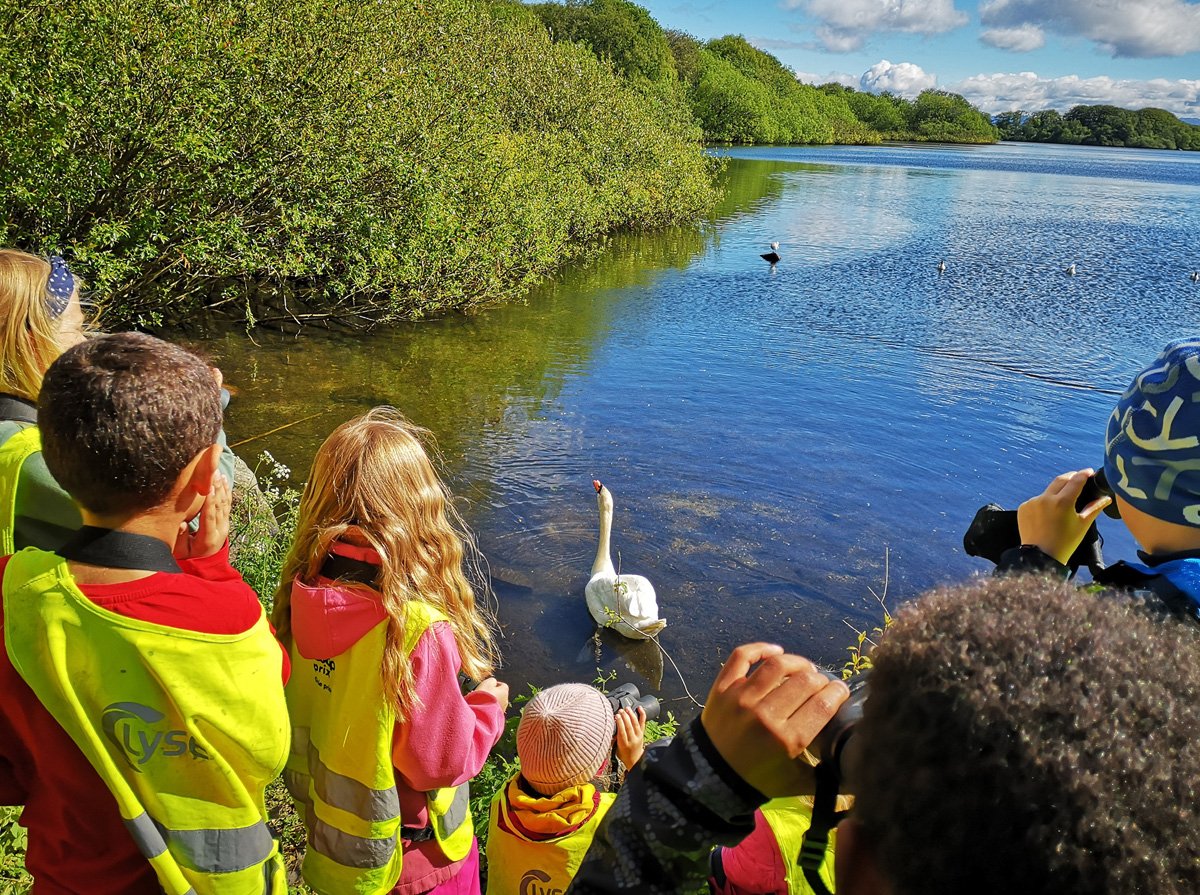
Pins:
x: 1102, y: 125
x: 740, y: 94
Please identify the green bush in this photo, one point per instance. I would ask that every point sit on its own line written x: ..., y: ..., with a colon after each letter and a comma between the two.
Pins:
x: 387, y: 159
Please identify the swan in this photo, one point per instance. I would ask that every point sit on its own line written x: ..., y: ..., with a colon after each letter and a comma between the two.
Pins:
x: 942, y: 266
x: 773, y: 255
x: 625, y: 603
x: 1069, y: 270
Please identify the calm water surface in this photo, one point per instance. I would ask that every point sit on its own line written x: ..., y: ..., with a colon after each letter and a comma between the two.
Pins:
x: 771, y: 437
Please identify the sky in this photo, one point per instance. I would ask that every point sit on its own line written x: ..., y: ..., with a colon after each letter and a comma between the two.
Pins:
x: 1000, y: 54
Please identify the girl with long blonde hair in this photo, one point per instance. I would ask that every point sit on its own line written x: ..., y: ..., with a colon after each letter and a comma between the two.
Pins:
x: 40, y: 318
x: 387, y: 641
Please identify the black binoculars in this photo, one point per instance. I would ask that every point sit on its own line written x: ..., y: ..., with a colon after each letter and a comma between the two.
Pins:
x: 627, y: 696
x: 995, y: 530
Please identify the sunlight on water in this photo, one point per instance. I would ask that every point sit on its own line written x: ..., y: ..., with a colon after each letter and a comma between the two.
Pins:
x: 768, y: 434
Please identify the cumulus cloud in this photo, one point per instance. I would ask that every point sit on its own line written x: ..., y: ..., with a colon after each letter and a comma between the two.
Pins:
x: 837, y: 77
x: 1025, y: 90
x: 845, y: 25
x: 1135, y: 28
x: 902, y: 78
x: 1021, y: 39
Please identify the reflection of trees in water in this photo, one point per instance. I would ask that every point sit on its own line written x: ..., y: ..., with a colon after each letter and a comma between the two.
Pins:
x: 464, y: 376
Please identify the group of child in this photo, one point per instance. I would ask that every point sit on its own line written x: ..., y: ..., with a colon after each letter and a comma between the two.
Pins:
x: 132, y: 643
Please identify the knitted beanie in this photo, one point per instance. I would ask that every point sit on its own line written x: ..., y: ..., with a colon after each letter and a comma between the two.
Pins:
x: 565, y: 736
x: 1152, y: 447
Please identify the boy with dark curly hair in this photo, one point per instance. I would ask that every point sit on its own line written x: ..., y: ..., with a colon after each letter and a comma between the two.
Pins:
x: 141, y: 689
x: 1020, y: 735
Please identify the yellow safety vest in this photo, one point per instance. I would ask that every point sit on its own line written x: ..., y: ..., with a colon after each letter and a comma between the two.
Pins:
x: 340, y: 770
x: 521, y: 866
x: 188, y: 761
x: 13, y: 454
x: 788, y: 819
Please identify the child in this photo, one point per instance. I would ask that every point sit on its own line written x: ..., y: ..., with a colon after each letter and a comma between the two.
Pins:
x: 544, y: 818
x: 765, y: 862
x: 380, y: 620
x: 1152, y: 464
x: 141, y: 700
x: 40, y: 317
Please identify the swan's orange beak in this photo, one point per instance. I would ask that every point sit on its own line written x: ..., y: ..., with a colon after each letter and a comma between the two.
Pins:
x: 596, y: 484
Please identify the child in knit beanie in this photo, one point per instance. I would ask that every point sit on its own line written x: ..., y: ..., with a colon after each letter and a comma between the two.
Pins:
x: 544, y: 818
x: 1152, y: 465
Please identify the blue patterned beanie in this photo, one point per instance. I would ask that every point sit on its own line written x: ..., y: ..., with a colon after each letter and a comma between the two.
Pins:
x: 1152, y: 447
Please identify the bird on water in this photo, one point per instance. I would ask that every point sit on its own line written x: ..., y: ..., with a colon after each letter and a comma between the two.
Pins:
x: 1195, y: 277
x: 1069, y: 270
x: 773, y: 255
x: 942, y: 266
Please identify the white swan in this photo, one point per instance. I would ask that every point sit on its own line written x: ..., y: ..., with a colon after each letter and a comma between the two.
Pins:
x: 625, y: 603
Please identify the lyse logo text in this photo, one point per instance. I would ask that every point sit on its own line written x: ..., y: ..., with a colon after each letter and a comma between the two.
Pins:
x: 130, y: 726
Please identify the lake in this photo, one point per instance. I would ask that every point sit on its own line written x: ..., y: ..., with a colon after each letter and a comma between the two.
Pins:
x: 777, y: 440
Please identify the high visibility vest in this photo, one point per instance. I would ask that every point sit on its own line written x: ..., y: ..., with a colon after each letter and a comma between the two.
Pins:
x: 788, y: 819
x: 13, y: 453
x: 186, y: 729
x: 518, y: 865
x: 340, y: 770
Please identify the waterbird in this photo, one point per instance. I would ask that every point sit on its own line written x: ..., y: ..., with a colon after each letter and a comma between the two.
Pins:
x: 773, y: 255
x: 1069, y: 270
x: 942, y: 266
x: 1195, y: 277
x: 625, y: 603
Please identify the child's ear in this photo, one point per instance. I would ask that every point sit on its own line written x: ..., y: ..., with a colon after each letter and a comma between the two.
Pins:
x: 857, y: 868
x: 203, y: 468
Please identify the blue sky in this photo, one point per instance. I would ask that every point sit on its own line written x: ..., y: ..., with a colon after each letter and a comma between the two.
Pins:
x: 1000, y: 54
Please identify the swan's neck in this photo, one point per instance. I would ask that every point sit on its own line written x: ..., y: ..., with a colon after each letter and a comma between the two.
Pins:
x: 603, y: 561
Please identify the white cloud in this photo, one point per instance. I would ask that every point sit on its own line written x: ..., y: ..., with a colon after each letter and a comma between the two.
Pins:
x: 902, y: 78
x: 846, y: 24
x: 1021, y: 39
x: 1137, y: 28
x: 837, y: 77
x: 1025, y: 90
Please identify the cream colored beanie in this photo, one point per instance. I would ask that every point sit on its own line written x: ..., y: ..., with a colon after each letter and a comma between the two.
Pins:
x: 565, y: 736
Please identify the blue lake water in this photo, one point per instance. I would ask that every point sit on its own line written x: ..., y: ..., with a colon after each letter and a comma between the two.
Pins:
x: 773, y: 436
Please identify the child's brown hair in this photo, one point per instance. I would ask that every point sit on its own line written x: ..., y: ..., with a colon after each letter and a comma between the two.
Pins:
x: 122, y: 416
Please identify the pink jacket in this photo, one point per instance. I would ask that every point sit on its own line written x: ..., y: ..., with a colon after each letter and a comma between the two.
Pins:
x: 448, y: 738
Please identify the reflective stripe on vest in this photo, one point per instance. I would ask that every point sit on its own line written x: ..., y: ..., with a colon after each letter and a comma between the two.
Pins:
x: 340, y: 769
x: 187, y: 764
x: 788, y: 818
x: 13, y: 454
x: 518, y: 865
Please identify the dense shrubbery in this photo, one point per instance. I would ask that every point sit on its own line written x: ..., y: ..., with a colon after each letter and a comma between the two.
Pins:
x: 935, y: 115
x: 740, y: 94
x: 1101, y: 126
x: 384, y: 159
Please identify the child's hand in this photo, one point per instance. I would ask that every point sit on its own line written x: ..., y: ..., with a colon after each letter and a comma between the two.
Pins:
x: 1050, y: 521
x: 213, y: 531
x: 498, y: 689
x: 631, y: 735
x: 762, y: 720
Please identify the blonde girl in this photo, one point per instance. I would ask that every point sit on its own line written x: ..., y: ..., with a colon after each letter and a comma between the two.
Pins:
x: 40, y: 318
x: 381, y: 620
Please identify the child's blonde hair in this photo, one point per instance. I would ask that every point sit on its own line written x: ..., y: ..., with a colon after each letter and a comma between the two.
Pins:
x: 28, y: 331
x: 372, y: 477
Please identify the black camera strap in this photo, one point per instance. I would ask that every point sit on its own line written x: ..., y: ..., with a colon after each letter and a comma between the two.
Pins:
x: 825, y: 817
x: 113, y: 549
